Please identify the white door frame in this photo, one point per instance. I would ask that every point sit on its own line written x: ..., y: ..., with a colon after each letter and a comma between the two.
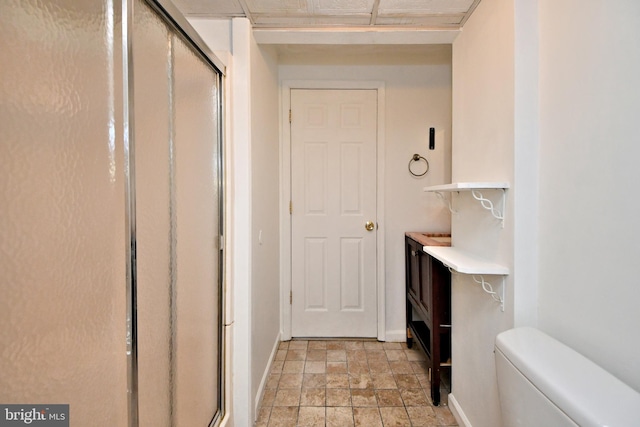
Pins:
x: 285, y: 192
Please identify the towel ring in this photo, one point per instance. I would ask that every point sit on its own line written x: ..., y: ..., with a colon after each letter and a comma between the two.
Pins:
x: 417, y: 158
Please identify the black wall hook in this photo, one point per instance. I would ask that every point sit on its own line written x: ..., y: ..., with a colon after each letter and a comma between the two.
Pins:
x: 432, y: 138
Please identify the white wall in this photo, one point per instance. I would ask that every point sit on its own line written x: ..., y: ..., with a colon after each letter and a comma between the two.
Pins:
x: 589, y: 211
x: 526, y: 153
x: 239, y: 196
x: 265, y: 230
x: 549, y: 91
x: 418, y: 96
x: 483, y: 150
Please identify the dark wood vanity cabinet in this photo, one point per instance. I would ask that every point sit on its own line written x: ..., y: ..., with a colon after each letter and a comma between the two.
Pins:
x: 428, y: 289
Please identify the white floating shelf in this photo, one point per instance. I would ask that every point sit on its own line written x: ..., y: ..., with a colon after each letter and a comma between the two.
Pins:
x: 468, y: 186
x: 465, y: 262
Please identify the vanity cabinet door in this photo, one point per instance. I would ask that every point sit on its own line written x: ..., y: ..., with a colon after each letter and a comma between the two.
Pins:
x: 413, y: 268
x: 426, y: 286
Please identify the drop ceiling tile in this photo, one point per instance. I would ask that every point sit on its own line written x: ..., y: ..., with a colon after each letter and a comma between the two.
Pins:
x: 277, y: 6
x: 424, y: 6
x: 221, y: 8
x: 310, y: 21
x: 344, y: 6
x: 424, y: 20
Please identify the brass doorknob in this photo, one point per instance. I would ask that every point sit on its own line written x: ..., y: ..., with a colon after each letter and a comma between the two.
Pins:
x: 369, y: 225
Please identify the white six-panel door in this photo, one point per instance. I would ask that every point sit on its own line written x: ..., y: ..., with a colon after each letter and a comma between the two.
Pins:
x: 333, y: 194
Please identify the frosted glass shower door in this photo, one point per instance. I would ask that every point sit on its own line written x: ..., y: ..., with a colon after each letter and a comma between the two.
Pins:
x: 62, y: 213
x: 177, y: 169
x: 197, y: 221
x: 155, y: 218
x: 110, y: 201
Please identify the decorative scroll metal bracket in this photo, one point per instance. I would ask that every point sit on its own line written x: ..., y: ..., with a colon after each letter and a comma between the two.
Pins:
x: 488, y: 204
x: 498, y: 296
x: 486, y: 286
x: 446, y: 200
x: 484, y: 202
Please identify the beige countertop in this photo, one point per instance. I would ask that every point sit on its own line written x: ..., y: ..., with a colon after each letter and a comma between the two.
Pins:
x: 426, y: 238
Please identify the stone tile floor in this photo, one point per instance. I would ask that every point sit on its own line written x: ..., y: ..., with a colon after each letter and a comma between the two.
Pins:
x: 344, y: 383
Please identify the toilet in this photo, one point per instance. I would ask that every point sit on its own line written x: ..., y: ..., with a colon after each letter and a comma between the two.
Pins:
x: 542, y: 382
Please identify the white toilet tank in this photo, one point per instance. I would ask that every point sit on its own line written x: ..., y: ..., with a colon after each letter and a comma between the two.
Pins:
x: 544, y: 383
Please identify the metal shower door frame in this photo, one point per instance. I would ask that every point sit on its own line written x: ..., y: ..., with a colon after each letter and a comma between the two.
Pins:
x: 172, y: 16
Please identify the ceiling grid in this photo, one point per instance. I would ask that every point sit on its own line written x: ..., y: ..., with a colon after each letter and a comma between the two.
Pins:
x: 384, y: 14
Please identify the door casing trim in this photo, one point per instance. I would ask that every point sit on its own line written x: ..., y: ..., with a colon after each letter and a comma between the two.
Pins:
x: 285, y: 195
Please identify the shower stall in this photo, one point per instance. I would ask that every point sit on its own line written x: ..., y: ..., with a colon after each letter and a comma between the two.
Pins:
x: 111, y: 202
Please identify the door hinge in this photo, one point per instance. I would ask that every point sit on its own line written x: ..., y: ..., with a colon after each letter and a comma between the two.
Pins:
x: 290, y: 207
x: 290, y: 297
x: 289, y: 115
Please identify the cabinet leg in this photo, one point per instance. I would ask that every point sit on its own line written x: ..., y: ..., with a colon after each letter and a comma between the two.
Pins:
x: 435, y: 396
x: 409, y: 338
x: 435, y: 386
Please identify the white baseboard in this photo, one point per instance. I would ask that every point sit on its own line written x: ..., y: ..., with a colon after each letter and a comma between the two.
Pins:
x: 265, y: 378
x: 457, y: 412
x: 396, y: 336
